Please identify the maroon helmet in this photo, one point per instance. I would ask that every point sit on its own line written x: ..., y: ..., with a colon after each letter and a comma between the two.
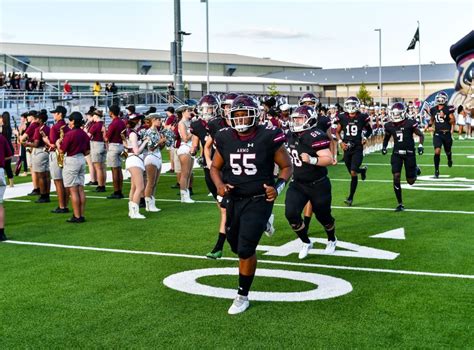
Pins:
x: 308, y: 121
x: 308, y: 97
x: 351, y: 104
x: 208, y: 107
x: 227, y: 101
x: 250, y: 106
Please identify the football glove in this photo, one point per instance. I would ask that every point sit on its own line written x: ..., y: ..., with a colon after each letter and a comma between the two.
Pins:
x: 420, y: 149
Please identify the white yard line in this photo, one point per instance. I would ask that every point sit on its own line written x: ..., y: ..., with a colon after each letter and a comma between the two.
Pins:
x: 274, y: 262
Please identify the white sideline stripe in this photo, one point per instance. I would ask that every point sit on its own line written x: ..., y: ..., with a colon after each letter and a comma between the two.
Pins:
x: 430, y: 165
x: 333, y: 206
x: 287, y: 263
x: 18, y: 200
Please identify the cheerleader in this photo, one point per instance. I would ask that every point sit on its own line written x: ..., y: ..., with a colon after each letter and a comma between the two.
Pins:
x: 184, y: 152
x: 75, y: 146
x: 153, y: 161
x: 135, y: 165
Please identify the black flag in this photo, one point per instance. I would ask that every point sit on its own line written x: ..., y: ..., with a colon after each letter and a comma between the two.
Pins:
x: 414, y: 40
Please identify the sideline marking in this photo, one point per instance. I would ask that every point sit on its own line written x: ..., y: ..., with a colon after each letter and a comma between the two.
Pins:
x: 327, y: 286
x: 274, y: 262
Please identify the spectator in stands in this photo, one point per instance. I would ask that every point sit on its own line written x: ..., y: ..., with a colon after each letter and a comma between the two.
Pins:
x: 67, y: 90
x: 6, y: 130
x: 171, y: 93
x: 96, y: 89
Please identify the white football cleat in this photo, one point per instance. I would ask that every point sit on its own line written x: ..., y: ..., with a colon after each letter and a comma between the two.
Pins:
x: 270, y: 230
x: 330, y: 247
x: 240, y: 304
x: 305, y: 250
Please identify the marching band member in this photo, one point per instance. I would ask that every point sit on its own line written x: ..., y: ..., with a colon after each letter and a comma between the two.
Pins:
x: 5, y: 154
x: 153, y: 160
x: 56, y: 136
x: 98, y: 152
x: 41, y: 157
x: 28, y: 136
x: 89, y: 123
x: 75, y: 146
x: 115, y: 149
x: 135, y: 165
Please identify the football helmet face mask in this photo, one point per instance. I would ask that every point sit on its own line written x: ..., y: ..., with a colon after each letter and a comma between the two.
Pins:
x: 397, y: 112
x: 351, y: 105
x: 243, y: 113
x: 303, y: 118
x: 441, y: 98
x: 208, y: 107
x: 308, y: 99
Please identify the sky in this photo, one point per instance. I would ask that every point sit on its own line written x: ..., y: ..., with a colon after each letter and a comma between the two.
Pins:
x: 319, y: 33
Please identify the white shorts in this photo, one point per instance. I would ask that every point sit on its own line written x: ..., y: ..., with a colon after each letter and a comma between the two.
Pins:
x: 134, y: 161
x: 3, y: 184
x: 177, y: 163
x: 74, y: 170
x: 185, y: 148
x: 461, y: 120
x: 154, y: 159
x: 55, y: 171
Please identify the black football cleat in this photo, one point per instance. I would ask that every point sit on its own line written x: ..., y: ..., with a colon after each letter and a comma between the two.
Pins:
x: 363, y: 173
x: 450, y: 163
x: 418, y: 171
x: 348, y: 202
x: 400, y: 207
x: 3, y: 237
x: 436, y: 174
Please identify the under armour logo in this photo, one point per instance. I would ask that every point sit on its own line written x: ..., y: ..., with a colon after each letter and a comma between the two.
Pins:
x: 250, y: 145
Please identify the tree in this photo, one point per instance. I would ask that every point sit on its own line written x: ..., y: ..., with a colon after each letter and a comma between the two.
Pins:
x: 364, y: 96
x: 272, y: 90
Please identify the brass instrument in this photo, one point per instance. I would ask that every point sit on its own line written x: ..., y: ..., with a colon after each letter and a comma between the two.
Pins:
x: 43, y: 135
x: 28, y: 149
x: 124, y: 153
x: 59, y: 155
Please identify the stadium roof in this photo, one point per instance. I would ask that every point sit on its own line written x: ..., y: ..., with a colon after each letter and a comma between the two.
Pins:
x: 370, y: 75
x: 162, y: 78
x: 115, y: 53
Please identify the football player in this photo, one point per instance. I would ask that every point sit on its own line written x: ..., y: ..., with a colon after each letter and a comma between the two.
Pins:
x: 402, y: 129
x: 356, y: 128
x: 214, y: 125
x: 242, y: 170
x: 443, y: 118
x: 309, y: 148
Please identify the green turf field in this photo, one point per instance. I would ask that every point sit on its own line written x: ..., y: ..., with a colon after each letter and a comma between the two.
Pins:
x: 65, y: 297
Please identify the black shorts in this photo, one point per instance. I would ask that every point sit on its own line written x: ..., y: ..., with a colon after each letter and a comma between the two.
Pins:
x: 398, y: 160
x: 318, y: 193
x: 209, y: 183
x: 246, y: 220
x: 353, y: 159
x: 443, y: 139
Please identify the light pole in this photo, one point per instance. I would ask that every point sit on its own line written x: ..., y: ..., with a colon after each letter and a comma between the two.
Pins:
x: 380, y: 64
x: 207, y: 43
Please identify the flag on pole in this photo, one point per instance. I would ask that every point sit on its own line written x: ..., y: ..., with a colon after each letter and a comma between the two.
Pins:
x: 414, y: 40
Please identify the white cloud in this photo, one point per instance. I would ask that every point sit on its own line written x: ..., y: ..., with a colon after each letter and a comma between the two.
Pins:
x: 268, y: 33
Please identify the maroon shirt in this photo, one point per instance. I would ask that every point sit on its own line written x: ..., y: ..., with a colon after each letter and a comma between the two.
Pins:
x: 75, y: 142
x: 114, y: 130
x: 30, y: 131
x: 38, y: 137
x: 5, y: 150
x: 54, y: 132
x: 96, y: 132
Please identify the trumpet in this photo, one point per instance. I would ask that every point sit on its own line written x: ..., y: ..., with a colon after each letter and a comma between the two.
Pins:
x: 124, y: 153
x: 59, y: 155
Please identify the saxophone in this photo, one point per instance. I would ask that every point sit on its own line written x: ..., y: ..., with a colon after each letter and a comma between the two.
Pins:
x: 124, y: 153
x: 59, y: 155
